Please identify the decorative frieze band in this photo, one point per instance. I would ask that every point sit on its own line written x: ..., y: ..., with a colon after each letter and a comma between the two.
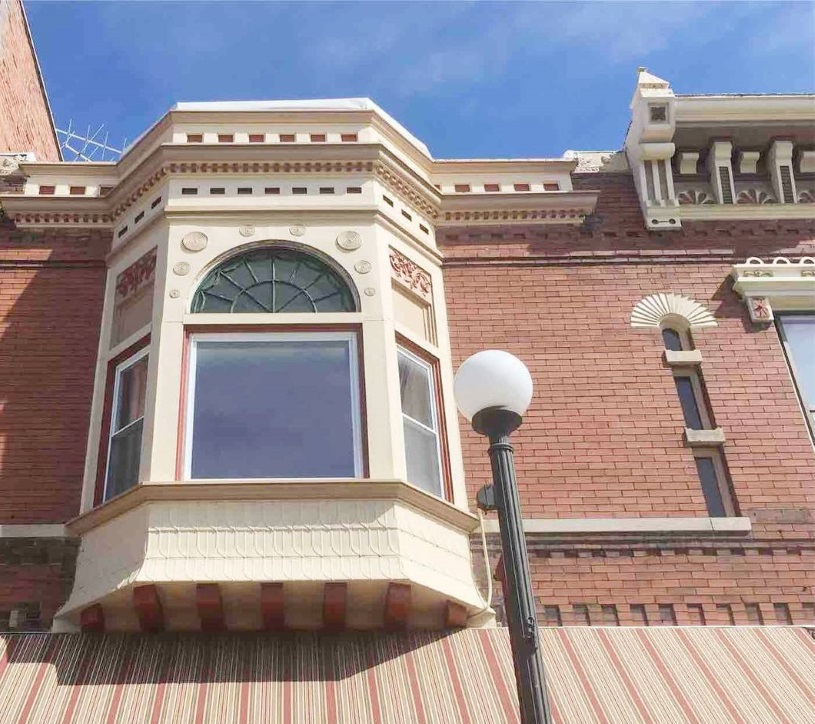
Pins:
x: 136, y: 276
x: 410, y: 275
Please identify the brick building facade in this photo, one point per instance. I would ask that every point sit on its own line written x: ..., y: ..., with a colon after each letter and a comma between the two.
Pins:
x: 666, y: 465
x: 26, y: 125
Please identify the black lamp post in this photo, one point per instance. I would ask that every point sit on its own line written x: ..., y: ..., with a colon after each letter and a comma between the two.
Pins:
x: 494, y: 389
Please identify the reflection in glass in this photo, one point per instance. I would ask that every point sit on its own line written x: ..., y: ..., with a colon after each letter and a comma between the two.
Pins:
x: 420, y: 425
x: 799, y: 335
x: 126, y: 430
x: 274, y: 408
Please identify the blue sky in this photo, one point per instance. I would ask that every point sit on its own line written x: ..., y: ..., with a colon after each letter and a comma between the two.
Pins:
x: 477, y: 79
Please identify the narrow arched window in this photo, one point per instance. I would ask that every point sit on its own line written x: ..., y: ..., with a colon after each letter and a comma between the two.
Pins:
x: 274, y: 280
x: 672, y: 339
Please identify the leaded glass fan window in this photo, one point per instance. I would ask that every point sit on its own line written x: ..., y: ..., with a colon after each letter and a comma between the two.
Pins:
x: 273, y: 280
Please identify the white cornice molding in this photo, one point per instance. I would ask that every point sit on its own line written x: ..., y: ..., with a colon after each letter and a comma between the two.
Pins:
x: 75, y: 211
x: 781, y: 284
x: 552, y: 207
x: 764, y: 109
x: 504, y: 165
x: 745, y: 212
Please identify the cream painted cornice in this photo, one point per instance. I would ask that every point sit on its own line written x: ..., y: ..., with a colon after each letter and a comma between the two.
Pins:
x: 745, y: 212
x: 767, y: 109
x: 59, y: 210
x: 244, y: 159
x: 778, y: 285
x: 553, y: 207
x: 394, y: 490
x: 504, y: 165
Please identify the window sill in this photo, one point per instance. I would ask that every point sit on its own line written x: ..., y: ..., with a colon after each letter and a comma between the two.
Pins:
x: 274, y: 489
x: 704, y: 438
x: 688, y: 358
x: 633, y: 526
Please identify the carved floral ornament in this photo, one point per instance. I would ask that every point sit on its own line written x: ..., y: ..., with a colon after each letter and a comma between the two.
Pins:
x: 410, y: 274
x: 136, y: 276
x: 650, y: 312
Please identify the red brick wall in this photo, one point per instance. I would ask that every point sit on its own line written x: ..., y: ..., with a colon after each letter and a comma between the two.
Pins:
x: 25, y: 121
x: 35, y: 576
x: 51, y: 293
x: 603, y: 437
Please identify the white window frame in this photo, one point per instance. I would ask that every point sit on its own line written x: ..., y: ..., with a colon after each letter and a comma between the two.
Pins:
x: 350, y: 337
x: 434, y: 413
x: 114, y: 410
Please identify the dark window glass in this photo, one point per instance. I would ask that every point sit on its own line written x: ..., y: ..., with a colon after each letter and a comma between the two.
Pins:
x: 275, y: 408
x: 799, y: 338
x: 273, y: 280
x: 419, y: 420
x: 706, y: 469
x: 672, y: 339
x: 690, y: 407
x: 126, y: 427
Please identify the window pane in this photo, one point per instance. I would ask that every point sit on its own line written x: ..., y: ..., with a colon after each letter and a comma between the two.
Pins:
x: 800, y: 333
x: 687, y: 398
x: 710, y: 487
x: 415, y: 386
x: 125, y: 453
x: 131, y: 393
x: 273, y: 409
x: 422, y: 453
x: 672, y: 339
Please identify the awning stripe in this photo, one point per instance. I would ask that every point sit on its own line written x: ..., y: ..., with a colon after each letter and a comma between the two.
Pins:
x: 768, y: 698
x: 619, y: 675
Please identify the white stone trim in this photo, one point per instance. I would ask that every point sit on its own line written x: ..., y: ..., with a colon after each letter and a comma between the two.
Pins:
x: 704, y: 438
x: 33, y: 530
x: 629, y: 525
x: 684, y: 358
x: 781, y: 285
x: 650, y: 312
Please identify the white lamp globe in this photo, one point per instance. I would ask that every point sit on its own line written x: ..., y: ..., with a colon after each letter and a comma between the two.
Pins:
x: 492, y: 378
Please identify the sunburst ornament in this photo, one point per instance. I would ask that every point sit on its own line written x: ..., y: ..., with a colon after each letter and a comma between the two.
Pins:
x: 651, y: 311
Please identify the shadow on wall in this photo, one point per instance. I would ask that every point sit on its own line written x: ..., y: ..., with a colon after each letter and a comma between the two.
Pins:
x: 197, y: 658
x: 51, y: 294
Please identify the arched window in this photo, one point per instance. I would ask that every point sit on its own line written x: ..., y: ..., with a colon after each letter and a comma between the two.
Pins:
x: 267, y: 403
x: 273, y: 280
x: 672, y: 339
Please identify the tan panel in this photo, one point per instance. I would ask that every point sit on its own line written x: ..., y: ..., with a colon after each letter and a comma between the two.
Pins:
x: 414, y: 313
x: 132, y: 314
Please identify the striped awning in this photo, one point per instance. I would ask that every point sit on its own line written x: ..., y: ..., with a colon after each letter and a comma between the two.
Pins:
x: 621, y: 675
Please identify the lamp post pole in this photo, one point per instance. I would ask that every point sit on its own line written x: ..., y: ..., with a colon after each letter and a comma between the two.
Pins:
x: 497, y: 423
